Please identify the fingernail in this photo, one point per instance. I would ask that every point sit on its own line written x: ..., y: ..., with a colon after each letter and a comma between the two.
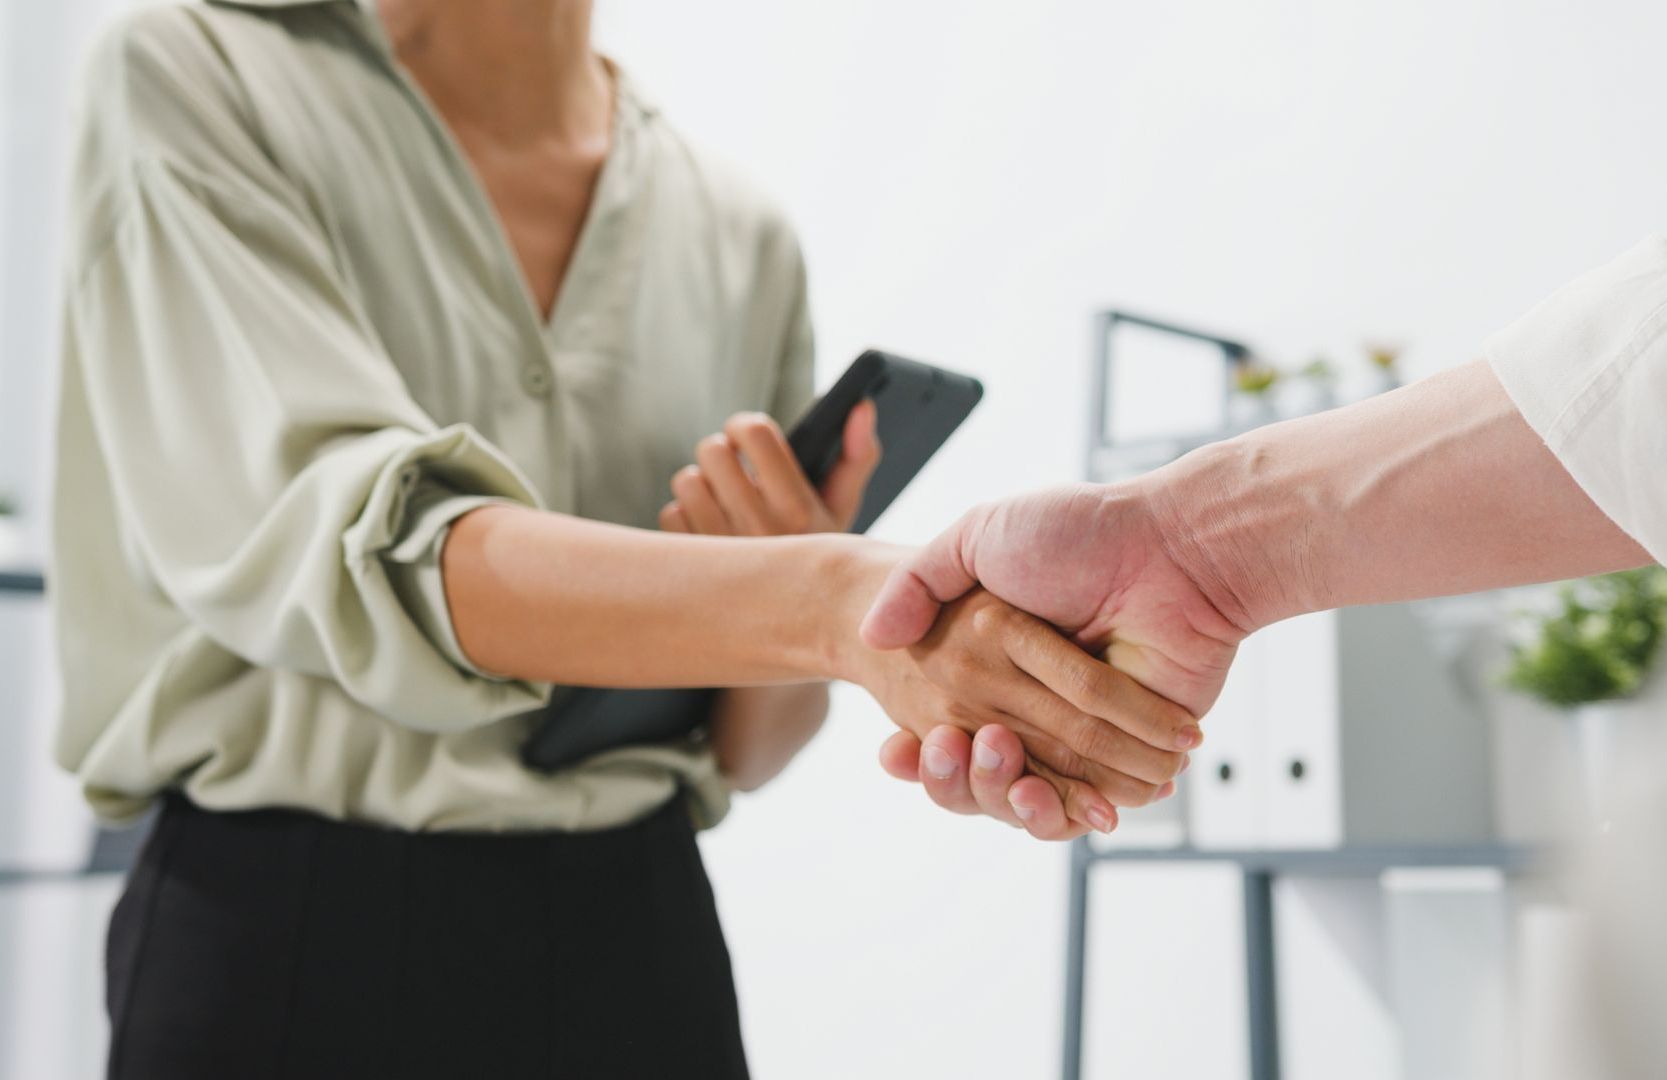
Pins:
x: 938, y: 764
x: 1101, y: 820
x: 1189, y: 737
x: 986, y: 758
x: 1186, y: 763
x: 1167, y: 790
x: 1023, y: 813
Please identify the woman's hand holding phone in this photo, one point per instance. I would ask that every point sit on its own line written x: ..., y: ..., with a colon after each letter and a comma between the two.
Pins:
x: 746, y: 482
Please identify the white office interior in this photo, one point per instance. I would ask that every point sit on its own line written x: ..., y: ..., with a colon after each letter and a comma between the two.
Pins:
x: 980, y: 184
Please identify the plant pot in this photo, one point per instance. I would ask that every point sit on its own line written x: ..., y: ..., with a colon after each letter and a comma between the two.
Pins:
x: 1246, y: 411
x: 1385, y: 380
x: 14, y: 543
x: 1602, y: 732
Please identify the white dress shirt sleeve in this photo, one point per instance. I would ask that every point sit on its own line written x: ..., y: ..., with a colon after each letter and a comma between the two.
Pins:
x: 1587, y: 367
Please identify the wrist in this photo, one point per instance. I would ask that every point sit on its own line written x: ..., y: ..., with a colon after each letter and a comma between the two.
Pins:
x: 847, y: 575
x: 1242, y: 526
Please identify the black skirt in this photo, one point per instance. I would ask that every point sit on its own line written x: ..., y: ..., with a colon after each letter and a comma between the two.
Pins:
x: 274, y: 944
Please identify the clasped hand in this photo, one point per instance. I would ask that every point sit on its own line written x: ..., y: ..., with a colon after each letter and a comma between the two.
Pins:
x: 1001, y: 712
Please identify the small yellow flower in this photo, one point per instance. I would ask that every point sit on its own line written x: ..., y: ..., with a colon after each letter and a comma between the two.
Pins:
x: 1383, y: 355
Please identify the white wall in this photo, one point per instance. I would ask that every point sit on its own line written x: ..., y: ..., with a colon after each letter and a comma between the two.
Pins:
x: 971, y: 180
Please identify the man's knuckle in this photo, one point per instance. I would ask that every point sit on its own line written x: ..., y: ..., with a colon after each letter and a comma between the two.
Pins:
x: 989, y: 620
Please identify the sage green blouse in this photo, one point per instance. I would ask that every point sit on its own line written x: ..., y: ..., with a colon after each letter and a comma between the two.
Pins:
x: 297, y: 346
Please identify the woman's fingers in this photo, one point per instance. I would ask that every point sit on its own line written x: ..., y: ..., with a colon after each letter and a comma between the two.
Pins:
x: 733, y: 488
x: 672, y: 519
x: 945, y: 756
x: 698, y: 503
x: 1097, y: 744
x: 843, y: 489
x: 791, y: 499
x: 753, y: 480
x: 900, y: 756
x: 1100, y: 690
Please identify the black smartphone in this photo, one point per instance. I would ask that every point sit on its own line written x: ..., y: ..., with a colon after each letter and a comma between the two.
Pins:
x: 917, y: 408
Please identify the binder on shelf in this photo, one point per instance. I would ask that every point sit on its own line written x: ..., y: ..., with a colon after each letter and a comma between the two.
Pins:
x: 1345, y: 728
x: 1304, y: 777
x: 1225, y: 790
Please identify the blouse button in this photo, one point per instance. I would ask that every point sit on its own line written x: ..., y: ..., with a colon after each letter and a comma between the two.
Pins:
x: 535, y: 379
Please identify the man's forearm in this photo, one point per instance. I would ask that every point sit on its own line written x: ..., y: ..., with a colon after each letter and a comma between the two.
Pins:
x: 1437, y: 488
x: 554, y: 598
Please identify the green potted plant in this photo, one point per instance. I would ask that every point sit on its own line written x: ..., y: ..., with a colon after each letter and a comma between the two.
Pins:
x: 1590, y: 653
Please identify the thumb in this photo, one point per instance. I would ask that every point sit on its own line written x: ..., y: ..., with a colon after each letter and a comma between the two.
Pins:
x: 909, y: 601
x: 859, y: 456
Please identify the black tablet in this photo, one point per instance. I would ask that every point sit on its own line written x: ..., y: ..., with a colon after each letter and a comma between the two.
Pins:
x: 917, y: 408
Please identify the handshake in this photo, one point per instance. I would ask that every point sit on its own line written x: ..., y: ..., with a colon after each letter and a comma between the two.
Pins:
x: 1009, y: 613
x: 986, y: 646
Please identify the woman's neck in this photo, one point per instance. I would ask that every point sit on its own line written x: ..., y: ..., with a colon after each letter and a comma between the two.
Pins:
x: 511, y: 68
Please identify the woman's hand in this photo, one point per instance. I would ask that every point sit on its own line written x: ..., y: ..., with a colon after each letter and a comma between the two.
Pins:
x: 1104, y: 563
x: 746, y: 482
x: 991, y: 678
x: 756, y: 730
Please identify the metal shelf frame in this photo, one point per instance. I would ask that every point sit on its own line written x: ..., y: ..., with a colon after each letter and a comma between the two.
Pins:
x: 22, y: 581
x: 113, y: 850
x: 1258, y: 871
x: 1100, y: 436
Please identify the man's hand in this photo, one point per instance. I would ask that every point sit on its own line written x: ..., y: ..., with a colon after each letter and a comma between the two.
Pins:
x: 1093, y: 561
x: 1091, y: 736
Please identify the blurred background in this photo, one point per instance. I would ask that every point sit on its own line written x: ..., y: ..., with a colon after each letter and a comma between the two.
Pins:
x: 974, y: 183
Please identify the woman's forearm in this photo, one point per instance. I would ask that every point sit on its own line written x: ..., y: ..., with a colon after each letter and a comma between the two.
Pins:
x: 554, y: 598
x: 756, y: 730
x: 1437, y: 488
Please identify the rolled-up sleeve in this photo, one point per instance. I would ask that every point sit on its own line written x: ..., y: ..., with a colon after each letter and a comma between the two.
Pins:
x: 1587, y: 368
x: 274, y: 477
